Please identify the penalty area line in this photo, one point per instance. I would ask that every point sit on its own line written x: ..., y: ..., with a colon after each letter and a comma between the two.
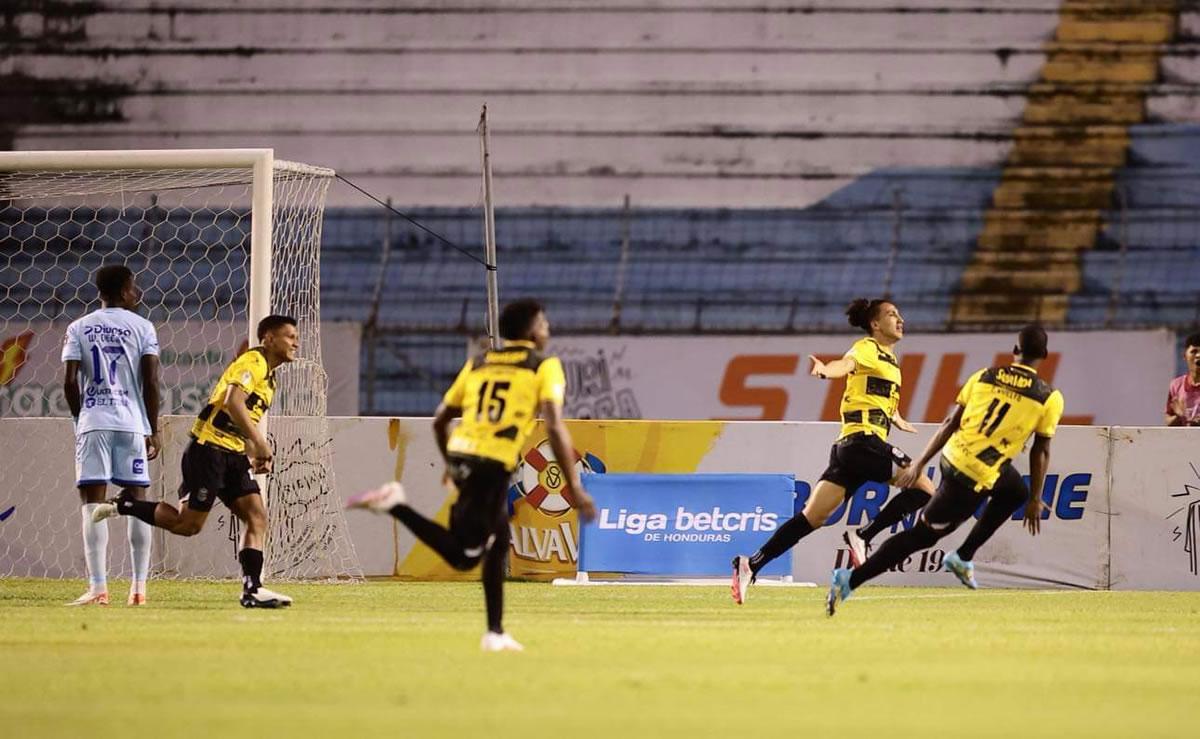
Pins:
x: 972, y: 594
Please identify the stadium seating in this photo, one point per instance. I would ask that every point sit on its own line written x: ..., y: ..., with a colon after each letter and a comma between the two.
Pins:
x: 760, y: 270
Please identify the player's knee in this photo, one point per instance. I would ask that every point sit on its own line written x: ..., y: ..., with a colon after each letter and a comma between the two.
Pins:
x: 501, y: 538
x: 928, y: 534
x: 187, y: 528
x: 256, y: 521
x: 471, y: 554
x: 465, y: 561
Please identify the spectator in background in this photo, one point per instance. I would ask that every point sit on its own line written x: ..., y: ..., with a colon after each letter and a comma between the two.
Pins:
x: 1183, y: 397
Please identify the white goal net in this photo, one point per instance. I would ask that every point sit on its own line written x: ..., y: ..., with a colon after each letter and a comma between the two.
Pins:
x: 192, y: 236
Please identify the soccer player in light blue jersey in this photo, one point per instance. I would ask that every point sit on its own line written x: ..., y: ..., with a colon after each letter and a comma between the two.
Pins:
x: 111, y: 386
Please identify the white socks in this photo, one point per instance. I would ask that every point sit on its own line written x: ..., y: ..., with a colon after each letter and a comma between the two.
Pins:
x: 139, y: 551
x: 95, y: 550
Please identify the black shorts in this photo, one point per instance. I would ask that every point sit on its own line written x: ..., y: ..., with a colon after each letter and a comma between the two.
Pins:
x: 956, y: 499
x: 861, y: 458
x: 210, y: 473
x: 482, y: 506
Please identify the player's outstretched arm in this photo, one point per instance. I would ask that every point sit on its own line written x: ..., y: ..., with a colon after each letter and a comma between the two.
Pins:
x: 257, y: 448
x: 831, y: 370
x: 150, y: 368
x: 1039, y: 463
x: 564, y: 452
x: 908, y: 478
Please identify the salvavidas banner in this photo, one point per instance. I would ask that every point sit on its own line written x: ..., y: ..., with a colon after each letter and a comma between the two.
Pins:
x: 1108, y: 377
x: 682, y: 524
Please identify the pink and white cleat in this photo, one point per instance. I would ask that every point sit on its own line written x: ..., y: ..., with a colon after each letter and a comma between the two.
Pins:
x: 742, y: 578
x: 91, y: 599
x: 858, y: 546
x: 380, y: 500
x: 493, y: 642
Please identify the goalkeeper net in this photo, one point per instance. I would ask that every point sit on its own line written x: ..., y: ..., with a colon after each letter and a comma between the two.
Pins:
x: 189, y: 235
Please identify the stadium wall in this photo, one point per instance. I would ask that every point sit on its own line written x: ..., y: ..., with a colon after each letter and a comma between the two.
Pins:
x: 1123, y: 503
x: 766, y: 377
x: 194, y: 353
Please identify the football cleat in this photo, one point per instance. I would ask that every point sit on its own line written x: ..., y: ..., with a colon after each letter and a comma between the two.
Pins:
x: 379, y: 500
x: 743, y: 577
x: 858, y: 547
x: 263, y: 598
x: 107, y: 509
x: 493, y: 642
x: 91, y: 599
x: 136, y: 599
x: 962, y: 569
x: 839, y: 589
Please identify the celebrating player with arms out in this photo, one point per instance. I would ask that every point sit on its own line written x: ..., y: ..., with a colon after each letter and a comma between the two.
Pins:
x: 869, y: 410
x: 215, y: 463
x: 498, y: 394
x: 997, y: 410
x: 111, y: 386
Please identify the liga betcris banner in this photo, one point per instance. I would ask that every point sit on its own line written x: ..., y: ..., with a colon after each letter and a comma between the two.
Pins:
x: 1107, y: 377
x: 682, y: 524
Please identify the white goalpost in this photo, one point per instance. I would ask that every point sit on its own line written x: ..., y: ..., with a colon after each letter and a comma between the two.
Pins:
x: 217, y: 240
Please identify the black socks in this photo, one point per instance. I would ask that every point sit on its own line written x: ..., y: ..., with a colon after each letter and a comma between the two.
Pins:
x: 908, y: 500
x: 893, y: 551
x: 252, y: 564
x: 143, y: 510
x: 784, y: 538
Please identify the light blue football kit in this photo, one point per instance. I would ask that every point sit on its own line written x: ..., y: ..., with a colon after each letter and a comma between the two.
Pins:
x: 110, y: 435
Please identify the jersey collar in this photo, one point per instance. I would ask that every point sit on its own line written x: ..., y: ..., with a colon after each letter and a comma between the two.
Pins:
x: 1025, y: 366
x: 516, y: 342
x: 881, y: 347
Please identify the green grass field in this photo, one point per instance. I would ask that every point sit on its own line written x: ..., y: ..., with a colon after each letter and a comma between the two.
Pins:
x: 402, y: 659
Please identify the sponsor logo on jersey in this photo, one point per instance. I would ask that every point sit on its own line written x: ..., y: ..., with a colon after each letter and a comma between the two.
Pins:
x: 1014, y: 380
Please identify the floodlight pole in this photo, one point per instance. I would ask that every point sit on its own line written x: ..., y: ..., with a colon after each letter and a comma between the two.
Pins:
x: 489, y: 235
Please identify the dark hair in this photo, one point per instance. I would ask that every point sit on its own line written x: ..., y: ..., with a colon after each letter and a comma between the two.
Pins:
x: 1191, y: 340
x: 111, y: 280
x: 1031, y: 342
x: 861, y: 312
x: 517, y: 318
x: 272, y: 322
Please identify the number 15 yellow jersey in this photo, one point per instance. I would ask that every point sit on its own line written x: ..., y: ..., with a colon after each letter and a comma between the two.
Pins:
x: 499, y: 392
x: 1003, y: 407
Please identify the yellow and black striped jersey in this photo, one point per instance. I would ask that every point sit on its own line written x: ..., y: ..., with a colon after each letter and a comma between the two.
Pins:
x: 1003, y: 406
x: 872, y: 390
x: 499, y: 392
x: 251, y: 373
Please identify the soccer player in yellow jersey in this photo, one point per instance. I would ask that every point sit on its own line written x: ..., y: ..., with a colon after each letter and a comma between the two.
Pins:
x: 226, y: 445
x: 996, y: 412
x: 861, y: 454
x: 498, y: 394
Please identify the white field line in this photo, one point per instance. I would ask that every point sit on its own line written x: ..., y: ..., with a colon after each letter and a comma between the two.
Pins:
x: 974, y: 594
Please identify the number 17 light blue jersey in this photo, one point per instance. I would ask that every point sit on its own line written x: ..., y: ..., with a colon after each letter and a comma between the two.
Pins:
x: 109, y: 345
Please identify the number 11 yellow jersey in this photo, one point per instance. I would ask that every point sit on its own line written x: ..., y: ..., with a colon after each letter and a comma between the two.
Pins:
x: 499, y: 392
x: 1003, y: 407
